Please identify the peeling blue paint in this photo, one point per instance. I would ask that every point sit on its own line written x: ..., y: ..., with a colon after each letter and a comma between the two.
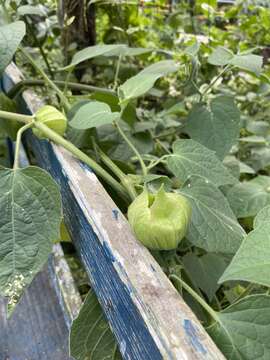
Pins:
x: 193, y: 336
x: 108, y: 252
x: 85, y: 167
x: 115, y: 213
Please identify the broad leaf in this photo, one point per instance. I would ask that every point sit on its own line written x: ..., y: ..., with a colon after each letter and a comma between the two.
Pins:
x: 91, y: 52
x: 263, y: 217
x: 222, y: 56
x: 10, y: 37
x: 248, y: 198
x: 205, y: 271
x: 216, y: 126
x: 252, y: 260
x: 93, y: 114
x: 213, y: 225
x: 90, y: 336
x: 248, y: 62
x: 242, y: 331
x: 30, y: 208
x: 141, y: 83
x: 191, y: 158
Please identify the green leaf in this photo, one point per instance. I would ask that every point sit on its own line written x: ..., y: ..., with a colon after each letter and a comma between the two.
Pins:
x: 250, y: 62
x: 141, y: 83
x: 93, y: 114
x: 91, y: 52
x: 191, y: 158
x: 248, y: 198
x: 252, y: 260
x: 220, y: 56
x: 90, y: 336
x: 242, y: 331
x: 216, y: 126
x: 205, y: 271
x: 213, y: 225
x: 263, y: 217
x: 30, y: 207
x: 31, y: 10
x: 10, y: 37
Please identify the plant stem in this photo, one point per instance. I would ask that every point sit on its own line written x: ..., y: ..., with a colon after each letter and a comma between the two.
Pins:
x: 52, y: 135
x: 133, y: 148
x: 16, y: 117
x: 117, y: 72
x: 199, y: 299
x: 71, y: 85
x: 62, y: 97
x: 18, y: 143
x: 155, y: 163
x: 227, y: 67
x: 125, y: 181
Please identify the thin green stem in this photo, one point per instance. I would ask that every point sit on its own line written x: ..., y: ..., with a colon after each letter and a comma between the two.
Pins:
x: 125, y: 181
x: 52, y: 135
x: 212, y: 83
x: 71, y: 85
x: 247, y: 290
x: 16, y: 117
x: 133, y: 148
x: 62, y: 97
x: 117, y: 72
x: 18, y: 143
x: 199, y: 299
x: 155, y: 163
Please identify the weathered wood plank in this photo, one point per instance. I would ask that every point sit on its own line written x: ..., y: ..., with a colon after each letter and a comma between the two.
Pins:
x: 149, y: 318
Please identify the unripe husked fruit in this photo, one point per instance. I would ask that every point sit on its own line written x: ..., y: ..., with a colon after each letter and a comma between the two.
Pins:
x: 51, y: 117
x: 160, y: 221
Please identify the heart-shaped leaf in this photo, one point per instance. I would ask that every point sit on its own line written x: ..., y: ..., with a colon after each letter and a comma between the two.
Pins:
x: 191, y: 158
x: 216, y: 126
x: 10, y: 37
x: 93, y: 114
x: 30, y: 207
x: 213, y: 225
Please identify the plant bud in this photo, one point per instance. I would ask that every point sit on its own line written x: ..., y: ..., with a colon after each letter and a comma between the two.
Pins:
x: 51, y: 117
x: 160, y: 221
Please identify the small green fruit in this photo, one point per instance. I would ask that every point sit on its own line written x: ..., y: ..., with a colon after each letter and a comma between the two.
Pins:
x: 51, y: 117
x: 160, y: 221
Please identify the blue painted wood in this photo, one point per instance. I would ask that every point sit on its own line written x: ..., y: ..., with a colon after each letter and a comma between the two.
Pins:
x: 37, y: 330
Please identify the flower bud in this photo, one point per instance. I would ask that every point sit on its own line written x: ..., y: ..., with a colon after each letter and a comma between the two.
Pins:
x: 160, y: 221
x: 51, y: 117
